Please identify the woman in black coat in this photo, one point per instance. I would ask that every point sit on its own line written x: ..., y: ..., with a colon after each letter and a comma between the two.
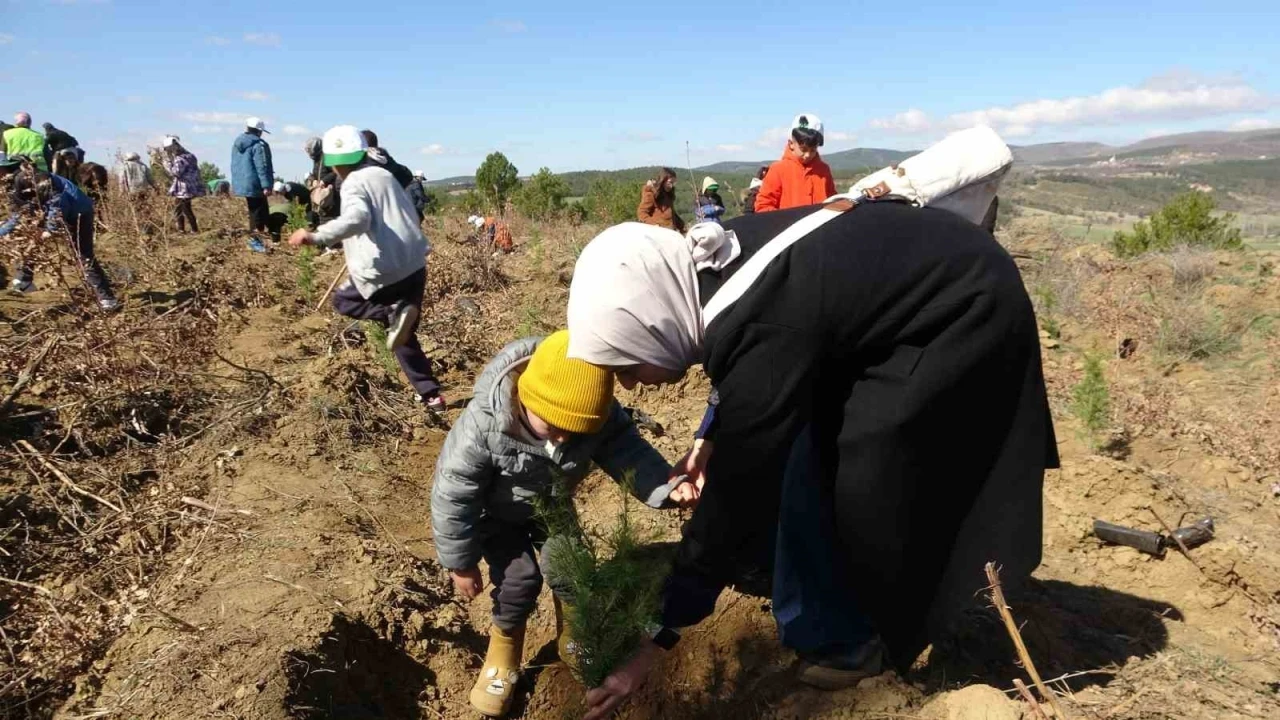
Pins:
x: 880, y: 417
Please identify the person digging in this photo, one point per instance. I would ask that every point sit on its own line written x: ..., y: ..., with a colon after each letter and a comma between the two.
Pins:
x: 537, y: 419
x: 386, y: 255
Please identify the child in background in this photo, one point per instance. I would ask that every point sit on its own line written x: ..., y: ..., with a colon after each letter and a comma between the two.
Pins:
x: 800, y: 178
x: 537, y: 417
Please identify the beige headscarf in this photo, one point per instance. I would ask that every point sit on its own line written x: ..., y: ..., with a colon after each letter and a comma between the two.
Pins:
x: 634, y: 299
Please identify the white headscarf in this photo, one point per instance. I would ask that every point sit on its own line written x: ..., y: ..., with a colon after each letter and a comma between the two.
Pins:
x: 634, y: 299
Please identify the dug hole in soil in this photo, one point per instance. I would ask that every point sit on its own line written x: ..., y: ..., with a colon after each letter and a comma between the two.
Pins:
x: 305, y: 584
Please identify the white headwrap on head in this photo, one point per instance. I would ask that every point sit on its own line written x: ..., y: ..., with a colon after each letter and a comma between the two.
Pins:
x: 634, y: 299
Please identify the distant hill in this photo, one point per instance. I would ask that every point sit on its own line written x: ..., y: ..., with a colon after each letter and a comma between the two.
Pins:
x: 1051, y: 152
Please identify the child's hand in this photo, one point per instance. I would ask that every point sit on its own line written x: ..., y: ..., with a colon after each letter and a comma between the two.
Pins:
x: 300, y: 237
x: 468, y: 583
x: 688, y: 493
x: 694, y: 464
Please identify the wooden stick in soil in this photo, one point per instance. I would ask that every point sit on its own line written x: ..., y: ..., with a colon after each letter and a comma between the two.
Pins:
x: 1037, y: 713
x: 1181, y: 546
x: 341, y: 272
x: 28, y: 373
x: 62, y: 477
x: 1002, y: 607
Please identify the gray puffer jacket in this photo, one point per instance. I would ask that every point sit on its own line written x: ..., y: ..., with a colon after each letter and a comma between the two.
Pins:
x: 485, y: 470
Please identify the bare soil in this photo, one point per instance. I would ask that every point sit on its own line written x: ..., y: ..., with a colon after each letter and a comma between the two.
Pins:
x: 311, y: 590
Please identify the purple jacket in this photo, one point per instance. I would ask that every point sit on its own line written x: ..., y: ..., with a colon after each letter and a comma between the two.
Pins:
x: 185, y: 170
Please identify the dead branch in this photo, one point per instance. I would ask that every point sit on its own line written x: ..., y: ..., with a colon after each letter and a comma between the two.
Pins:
x: 62, y: 477
x: 341, y: 272
x: 1181, y: 546
x: 193, y: 502
x: 1002, y: 607
x: 28, y: 373
x: 1036, y: 711
x: 252, y: 371
x: 29, y: 586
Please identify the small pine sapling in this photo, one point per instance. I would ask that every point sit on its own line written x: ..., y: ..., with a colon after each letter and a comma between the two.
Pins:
x: 1091, y: 401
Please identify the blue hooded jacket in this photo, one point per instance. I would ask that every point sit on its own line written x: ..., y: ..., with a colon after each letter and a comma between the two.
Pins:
x: 251, y: 171
x: 66, y: 202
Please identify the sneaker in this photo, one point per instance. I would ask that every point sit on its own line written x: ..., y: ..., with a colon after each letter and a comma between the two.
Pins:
x: 22, y: 286
x: 434, y: 403
x: 109, y: 304
x: 401, y: 325
x: 255, y: 244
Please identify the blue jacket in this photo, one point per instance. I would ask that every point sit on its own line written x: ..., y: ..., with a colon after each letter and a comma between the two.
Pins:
x: 67, y: 203
x: 251, y: 171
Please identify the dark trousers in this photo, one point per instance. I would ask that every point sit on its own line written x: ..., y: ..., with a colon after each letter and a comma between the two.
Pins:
x: 348, y: 301
x: 80, y: 227
x: 511, y: 550
x: 184, y: 214
x: 258, y: 213
x: 814, y: 599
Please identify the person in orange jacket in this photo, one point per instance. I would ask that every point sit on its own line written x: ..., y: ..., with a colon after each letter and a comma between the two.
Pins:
x: 801, y: 177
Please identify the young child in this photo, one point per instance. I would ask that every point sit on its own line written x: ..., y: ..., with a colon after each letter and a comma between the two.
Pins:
x: 386, y: 255
x: 537, y: 417
x: 800, y: 178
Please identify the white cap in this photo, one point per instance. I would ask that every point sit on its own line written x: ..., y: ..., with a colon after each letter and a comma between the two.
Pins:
x: 255, y: 123
x: 133, y: 157
x: 755, y: 183
x: 420, y: 174
x: 809, y: 121
x: 343, y: 145
x: 169, y: 141
x: 279, y: 187
x: 476, y: 220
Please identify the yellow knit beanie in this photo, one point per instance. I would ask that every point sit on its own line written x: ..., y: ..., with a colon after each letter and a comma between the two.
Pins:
x: 573, y: 395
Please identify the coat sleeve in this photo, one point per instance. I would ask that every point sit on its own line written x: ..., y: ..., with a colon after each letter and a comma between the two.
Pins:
x: 644, y: 213
x: 622, y: 453
x: 356, y: 218
x: 463, y: 474
x: 770, y: 196
x: 765, y: 398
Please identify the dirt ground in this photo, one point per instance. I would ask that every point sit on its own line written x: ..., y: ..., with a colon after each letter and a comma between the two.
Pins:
x: 302, y: 582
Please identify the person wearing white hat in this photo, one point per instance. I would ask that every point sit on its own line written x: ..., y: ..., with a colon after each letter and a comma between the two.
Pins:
x: 252, y: 173
x: 386, y: 254
x: 134, y: 175
x: 184, y: 168
x: 753, y: 190
x: 800, y: 178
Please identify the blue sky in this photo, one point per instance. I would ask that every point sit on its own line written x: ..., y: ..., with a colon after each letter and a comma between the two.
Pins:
x: 572, y: 85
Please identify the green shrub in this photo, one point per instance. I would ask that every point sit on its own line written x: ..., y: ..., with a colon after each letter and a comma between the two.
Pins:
x: 469, y: 202
x: 542, y: 196
x: 612, y: 202
x: 496, y: 178
x: 307, y: 274
x: 1091, y: 401
x: 1187, y: 220
x: 1046, y: 301
x: 209, y: 171
x: 615, y: 583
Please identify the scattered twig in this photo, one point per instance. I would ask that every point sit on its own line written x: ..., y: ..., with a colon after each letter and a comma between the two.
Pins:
x: 193, y: 502
x: 62, y: 477
x: 1036, y: 711
x: 1181, y: 546
x: 1002, y: 607
x: 28, y: 373
x: 38, y: 590
x: 252, y: 371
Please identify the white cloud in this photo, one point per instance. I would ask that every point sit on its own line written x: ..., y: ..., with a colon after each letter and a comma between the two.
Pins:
x: 6, y: 38
x: 254, y: 95
x: 731, y: 148
x: 217, y: 40
x: 911, y: 121
x: 1172, y: 96
x: 264, y: 39
x: 510, y: 26
x: 1254, y: 123
x: 840, y: 137
x: 433, y: 149
x: 214, y: 118
x: 773, y: 137
x: 296, y: 130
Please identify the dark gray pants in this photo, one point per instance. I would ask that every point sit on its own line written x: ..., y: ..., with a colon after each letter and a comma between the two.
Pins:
x: 80, y: 227
x: 517, y: 556
x: 348, y: 301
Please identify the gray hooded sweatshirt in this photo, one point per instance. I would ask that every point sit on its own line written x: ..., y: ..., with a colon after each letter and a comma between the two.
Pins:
x: 488, y: 471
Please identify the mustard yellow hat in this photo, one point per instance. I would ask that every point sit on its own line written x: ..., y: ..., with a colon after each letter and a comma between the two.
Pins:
x: 573, y: 395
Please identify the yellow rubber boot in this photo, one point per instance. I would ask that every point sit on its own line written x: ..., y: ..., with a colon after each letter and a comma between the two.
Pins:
x: 496, y: 685
x: 565, y: 645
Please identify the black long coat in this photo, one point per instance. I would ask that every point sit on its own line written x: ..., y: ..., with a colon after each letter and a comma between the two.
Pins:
x: 905, y: 339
